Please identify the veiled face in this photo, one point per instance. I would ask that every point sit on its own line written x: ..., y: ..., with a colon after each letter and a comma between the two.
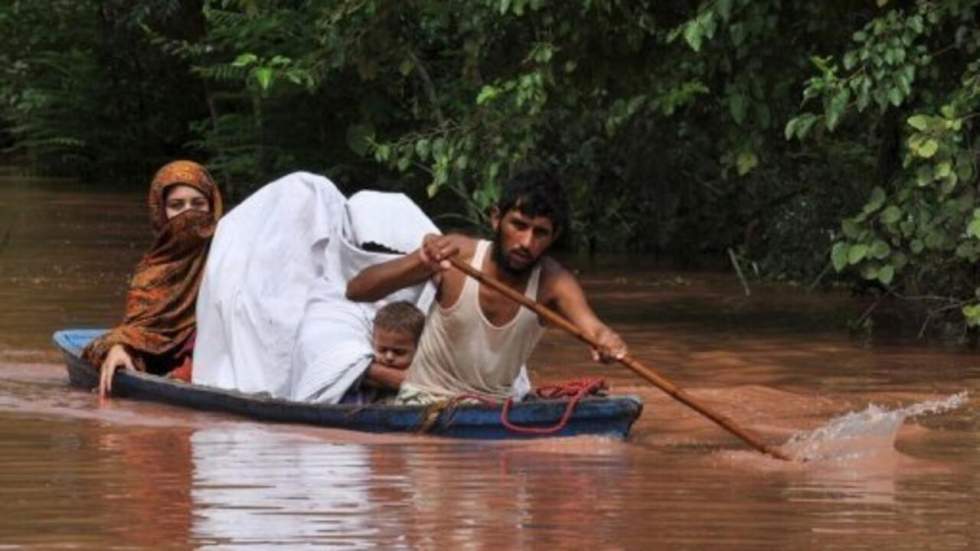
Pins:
x: 181, y: 198
x: 167, y: 184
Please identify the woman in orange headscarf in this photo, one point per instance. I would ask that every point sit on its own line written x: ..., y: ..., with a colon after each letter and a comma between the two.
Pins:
x: 157, y: 333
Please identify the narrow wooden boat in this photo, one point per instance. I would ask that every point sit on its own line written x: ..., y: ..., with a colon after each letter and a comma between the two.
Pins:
x: 606, y: 416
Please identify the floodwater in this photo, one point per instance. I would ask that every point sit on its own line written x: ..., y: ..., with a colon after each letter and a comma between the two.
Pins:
x: 74, y: 474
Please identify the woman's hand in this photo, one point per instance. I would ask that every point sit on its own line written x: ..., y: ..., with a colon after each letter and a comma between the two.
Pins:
x: 116, y: 358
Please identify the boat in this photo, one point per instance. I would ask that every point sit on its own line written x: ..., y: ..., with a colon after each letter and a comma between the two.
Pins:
x: 610, y: 416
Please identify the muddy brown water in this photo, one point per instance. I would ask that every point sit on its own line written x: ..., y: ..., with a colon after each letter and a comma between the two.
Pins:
x: 74, y: 474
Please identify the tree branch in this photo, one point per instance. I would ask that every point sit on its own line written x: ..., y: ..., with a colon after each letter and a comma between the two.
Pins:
x: 428, y: 86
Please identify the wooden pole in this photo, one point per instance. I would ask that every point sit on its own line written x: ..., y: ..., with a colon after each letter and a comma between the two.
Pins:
x: 643, y: 371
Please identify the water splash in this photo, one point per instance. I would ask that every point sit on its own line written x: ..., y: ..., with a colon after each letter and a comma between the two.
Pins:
x: 863, y: 433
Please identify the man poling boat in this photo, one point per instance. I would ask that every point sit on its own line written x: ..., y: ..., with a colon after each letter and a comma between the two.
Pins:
x: 476, y: 341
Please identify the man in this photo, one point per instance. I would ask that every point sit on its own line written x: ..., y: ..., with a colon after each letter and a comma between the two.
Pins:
x: 476, y: 340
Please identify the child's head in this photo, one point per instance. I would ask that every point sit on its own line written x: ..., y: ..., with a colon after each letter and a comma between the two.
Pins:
x: 397, y: 328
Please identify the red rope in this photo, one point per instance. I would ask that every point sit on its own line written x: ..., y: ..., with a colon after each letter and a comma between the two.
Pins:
x: 588, y: 385
x: 575, y: 390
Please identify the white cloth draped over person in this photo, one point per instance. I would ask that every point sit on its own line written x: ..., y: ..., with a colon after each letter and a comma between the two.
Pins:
x: 271, y: 312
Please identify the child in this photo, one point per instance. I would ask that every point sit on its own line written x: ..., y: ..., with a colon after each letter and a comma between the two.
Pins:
x: 397, y: 328
x: 396, y: 332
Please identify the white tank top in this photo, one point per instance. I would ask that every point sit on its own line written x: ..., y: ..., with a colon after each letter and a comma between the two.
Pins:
x: 461, y: 352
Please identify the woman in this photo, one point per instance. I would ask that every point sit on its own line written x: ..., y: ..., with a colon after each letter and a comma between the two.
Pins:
x: 157, y: 333
x: 271, y: 313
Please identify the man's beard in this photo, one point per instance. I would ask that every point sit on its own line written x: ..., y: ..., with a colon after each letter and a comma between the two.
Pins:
x: 500, y: 257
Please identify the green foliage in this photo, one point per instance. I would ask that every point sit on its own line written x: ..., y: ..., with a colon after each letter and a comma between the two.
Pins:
x: 677, y: 128
x: 83, y: 92
x: 918, y: 234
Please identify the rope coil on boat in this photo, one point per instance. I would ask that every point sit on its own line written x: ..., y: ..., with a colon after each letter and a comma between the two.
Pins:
x: 574, y: 390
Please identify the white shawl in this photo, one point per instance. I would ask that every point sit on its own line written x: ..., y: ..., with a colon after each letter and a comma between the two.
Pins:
x: 271, y: 312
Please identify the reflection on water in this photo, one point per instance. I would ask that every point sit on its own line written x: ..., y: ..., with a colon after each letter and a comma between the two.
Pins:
x: 318, y: 482
x: 132, y: 474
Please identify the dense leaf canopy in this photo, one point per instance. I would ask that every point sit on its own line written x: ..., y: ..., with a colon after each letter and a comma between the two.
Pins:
x: 800, y: 138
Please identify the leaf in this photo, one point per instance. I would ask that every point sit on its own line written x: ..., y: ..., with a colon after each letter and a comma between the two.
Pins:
x: 967, y: 251
x: 382, y: 153
x: 895, y: 96
x: 746, y: 161
x: 903, y: 83
x: 737, y: 31
x: 708, y: 23
x: 806, y: 124
x: 899, y: 260
x: 487, y: 93
x: 889, y: 56
x: 935, y: 240
x: 948, y: 183
x: 918, y: 122
x: 432, y: 189
x: 880, y: 249
x: 724, y: 8
x: 422, y: 148
x: 886, y: 273
x: 264, y: 77
x: 857, y: 253
x: 693, y: 34
x: 244, y: 60
x: 439, y: 148
x: 839, y: 255
x: 923, y: 175
x: 279, y: 61
x: 359, y: 137
x: 837, y: 107
x: 907, y: 227
x: 791, y: 128
x: 916, y: 246
x: 973, y: 229
x: 876, y: 200
x: 972, y: 314
x: 406, y: 67
x: 850, y: 228
x: 891, y: 215
x: 737, y: 104
x: 964, y: 167
x: 928, y: 148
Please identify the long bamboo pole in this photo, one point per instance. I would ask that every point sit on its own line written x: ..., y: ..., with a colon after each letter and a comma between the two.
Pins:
x: 643, y: 371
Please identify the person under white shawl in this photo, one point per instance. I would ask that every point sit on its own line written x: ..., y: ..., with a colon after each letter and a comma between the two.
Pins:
x: 271, y: 313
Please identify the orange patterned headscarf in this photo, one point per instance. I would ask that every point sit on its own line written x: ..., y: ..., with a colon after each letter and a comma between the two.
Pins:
x: 159, y: 319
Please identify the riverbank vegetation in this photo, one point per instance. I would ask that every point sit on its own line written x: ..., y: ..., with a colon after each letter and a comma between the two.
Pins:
x: 817, y: 142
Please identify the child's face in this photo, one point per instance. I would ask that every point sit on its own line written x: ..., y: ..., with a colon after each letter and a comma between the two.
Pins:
x: 393, y: 348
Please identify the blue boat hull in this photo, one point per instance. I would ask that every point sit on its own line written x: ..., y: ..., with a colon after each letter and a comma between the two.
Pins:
x: 606, y: 416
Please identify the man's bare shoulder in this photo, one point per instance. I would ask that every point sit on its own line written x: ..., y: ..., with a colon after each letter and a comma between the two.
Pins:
x: 465, y: 243
x: 554, y: 275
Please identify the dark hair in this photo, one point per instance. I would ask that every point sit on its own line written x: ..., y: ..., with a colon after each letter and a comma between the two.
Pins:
x: 536, y: 193
x: 401, y: 317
